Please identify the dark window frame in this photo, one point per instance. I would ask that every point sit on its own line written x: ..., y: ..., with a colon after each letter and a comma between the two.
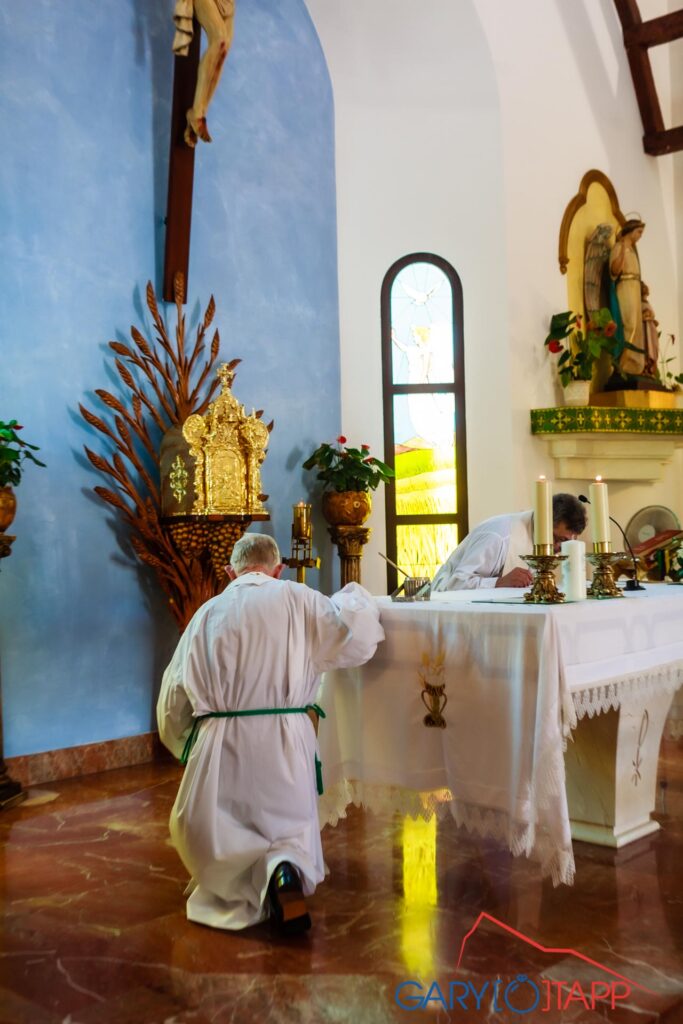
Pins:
x: 457, y: 389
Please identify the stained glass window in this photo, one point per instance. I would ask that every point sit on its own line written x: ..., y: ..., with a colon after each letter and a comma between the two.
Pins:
x: 424, y: 413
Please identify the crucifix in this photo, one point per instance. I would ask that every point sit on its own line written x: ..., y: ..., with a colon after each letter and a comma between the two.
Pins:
x: 194, y: 83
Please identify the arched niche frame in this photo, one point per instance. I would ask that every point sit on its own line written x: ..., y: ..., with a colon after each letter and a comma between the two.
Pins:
x: 595, y: 203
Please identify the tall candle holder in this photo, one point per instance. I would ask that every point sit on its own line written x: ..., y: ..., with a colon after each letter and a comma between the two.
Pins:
x: 543, y: 563
x: 603, y: 560
x: 302, y: 542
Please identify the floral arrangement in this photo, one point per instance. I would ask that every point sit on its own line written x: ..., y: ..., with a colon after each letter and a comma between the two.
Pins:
x: 675, y: 572
x: 670, y: 380
x: 579, y: 350
x: 348, y: 469
x: 13, y: 453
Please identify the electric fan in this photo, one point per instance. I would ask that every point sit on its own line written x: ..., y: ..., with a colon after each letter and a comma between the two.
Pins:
x: 653, y: 521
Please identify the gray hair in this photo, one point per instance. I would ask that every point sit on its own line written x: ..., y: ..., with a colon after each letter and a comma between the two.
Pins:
x: 254, y: 549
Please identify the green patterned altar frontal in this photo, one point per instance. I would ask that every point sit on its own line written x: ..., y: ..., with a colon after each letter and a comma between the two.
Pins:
x: 600, y: 420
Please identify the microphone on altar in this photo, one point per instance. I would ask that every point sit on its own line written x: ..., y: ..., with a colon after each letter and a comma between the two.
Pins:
x: 630, y: 584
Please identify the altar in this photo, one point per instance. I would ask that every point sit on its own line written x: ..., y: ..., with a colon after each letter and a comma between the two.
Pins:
x: 532, y: 724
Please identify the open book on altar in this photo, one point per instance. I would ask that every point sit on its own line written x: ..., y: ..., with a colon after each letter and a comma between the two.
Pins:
x: 665, y: 539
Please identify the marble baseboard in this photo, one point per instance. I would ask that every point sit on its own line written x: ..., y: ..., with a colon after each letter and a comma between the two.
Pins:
x: 70, y: 762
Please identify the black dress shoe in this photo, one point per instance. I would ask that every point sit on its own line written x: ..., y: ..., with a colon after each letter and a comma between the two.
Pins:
x: 287, y: 903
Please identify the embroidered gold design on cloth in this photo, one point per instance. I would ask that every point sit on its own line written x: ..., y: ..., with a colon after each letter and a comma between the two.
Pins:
x: 433, y: 695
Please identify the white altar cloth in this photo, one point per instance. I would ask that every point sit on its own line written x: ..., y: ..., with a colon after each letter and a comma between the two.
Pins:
x: 517, y: 679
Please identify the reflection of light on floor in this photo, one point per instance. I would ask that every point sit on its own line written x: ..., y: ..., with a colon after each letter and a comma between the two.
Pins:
x: 419, y: 892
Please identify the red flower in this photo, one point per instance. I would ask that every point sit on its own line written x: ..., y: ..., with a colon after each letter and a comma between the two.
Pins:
x: 578, y: 320
x: 610, y: 329
x: 365, y: 447
x: 341, y: 439
x: 554, y: 346
x: 17, y: 426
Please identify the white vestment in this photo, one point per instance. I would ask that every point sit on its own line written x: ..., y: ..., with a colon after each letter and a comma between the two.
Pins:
x: 491, y: 550
x: 248, y: 798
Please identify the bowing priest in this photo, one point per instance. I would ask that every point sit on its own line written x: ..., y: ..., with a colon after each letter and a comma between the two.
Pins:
x: 237, y: 703
x: 491, y: 555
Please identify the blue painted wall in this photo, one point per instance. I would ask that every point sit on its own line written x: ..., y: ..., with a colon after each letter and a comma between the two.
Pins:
x: 85, y: 93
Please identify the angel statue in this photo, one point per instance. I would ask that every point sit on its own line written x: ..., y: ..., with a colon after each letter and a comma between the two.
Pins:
x: 216, y: 18
x: 595, y: 270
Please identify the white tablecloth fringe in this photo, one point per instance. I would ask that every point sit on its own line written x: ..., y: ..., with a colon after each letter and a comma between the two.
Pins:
x: 611, y: 694
x: 521, y: 838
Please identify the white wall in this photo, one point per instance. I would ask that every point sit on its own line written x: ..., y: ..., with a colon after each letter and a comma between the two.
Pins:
x: 418, y: 170
x: 464, y: 129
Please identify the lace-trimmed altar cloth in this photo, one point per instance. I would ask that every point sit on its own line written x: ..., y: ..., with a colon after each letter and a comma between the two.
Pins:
x: 517, y: 680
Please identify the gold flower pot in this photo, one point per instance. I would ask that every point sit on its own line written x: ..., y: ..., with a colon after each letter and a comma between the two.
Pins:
x: 8, y: 507
x: 346, y: 508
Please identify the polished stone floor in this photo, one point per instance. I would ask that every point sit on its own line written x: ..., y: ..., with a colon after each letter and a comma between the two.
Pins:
x: 94, y: 928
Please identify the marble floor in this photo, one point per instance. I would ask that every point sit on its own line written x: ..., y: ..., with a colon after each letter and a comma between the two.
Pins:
x: 94, y: 928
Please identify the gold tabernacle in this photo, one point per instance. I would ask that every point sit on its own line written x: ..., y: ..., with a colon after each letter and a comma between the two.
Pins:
x: 211, y: 478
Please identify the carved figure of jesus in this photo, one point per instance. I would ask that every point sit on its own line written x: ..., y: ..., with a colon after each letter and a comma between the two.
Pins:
x: 216, y: 18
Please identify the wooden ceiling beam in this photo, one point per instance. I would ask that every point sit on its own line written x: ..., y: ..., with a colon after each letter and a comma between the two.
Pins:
x: 656, y: 31
x: 661, y: 143
x: 639, y: 35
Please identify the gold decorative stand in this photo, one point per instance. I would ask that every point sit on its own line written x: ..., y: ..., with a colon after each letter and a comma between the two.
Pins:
x: 543, y: 563
x: 349, y: 541
x: 11, y: 792
x: 603, y: 583
x: 210, y: 538
x: 302, y: 557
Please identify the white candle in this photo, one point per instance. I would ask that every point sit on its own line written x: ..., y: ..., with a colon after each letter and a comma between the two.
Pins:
x: 574, y: 570
x: 597, y: 492
x: 543, y: 512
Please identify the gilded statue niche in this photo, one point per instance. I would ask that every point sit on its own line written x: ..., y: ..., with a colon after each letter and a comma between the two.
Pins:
x: 595, y: 204
x: 589, y: 227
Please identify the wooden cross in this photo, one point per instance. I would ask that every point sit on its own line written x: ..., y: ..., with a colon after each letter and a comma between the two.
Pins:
x: 180, y: 172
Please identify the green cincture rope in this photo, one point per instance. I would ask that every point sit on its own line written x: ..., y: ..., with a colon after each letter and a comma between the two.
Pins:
x: 191, y: 739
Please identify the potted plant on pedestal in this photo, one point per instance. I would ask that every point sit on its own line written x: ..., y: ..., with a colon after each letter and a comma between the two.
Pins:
x: 579, y: 350
x: 349, y: 474
x: 13, y: 453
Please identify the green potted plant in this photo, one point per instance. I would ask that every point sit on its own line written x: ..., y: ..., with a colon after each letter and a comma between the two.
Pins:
x: 671, y: 381
x: 579, y: 350
x: 349, y: 474
x: 13, y: 454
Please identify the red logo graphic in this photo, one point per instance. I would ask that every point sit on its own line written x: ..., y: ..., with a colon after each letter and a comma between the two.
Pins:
x: 548, y: 949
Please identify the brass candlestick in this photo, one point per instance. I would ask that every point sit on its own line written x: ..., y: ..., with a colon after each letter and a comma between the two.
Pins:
x: 543, y: 563
x: 603, y: 559
x: 302, y: 542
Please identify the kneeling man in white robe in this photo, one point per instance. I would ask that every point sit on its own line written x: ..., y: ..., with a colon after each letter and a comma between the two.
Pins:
x: 237, y: 702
